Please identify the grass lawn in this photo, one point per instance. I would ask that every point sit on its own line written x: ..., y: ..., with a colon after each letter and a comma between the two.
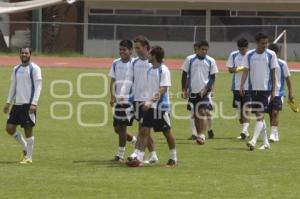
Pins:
x: 73, y: 161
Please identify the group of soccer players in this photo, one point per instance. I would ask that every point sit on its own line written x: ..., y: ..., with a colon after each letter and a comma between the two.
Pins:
x: 140, y: 90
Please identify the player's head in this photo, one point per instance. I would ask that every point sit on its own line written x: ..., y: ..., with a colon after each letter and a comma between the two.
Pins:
x: 156, y: 55
x: 242, y: 44
x: 25, y: 54
x: 125, y: 49
x: 202, y: 48
x: 261, y: 41
x: 141, y: 46
x: 274, y: 47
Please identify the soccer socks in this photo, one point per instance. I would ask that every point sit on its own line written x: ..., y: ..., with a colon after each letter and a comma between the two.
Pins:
x: 264, y: 134
x: 193, y: 127
x: 245, y: 127
x: 209, y: 124
x: 257, y: 130
x: 140, y: 155
x: 173, y: 154
x: 121, y: 152
x: 21, y: 140
x: 274, y: 132
x: 30, y: 143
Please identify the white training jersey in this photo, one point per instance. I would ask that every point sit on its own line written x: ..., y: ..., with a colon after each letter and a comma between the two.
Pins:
x: 260, y: 66
x: 138, y: 75
x: 282, y: 72
x: 235, y: 59
x: 199, y: 71
x: 157, y: 77
x: 26, y: 84
x: 118, y: 72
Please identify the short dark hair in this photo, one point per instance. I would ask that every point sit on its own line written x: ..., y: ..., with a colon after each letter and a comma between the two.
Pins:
x: 30, y: 50
x: 242, y: 43
x: 126, y: 43
x: 143, y: 40
x: 201, y: 43
x: 260, y: 36
x: 158, y: 52
x: 274, y: 47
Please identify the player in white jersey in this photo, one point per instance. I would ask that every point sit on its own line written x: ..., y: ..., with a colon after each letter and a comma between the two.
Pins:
x: 282, y: 74
x: 260, y: 64
x: 233, y: 64
x: 25, y: 89
x: 156, y: 108
x: 199, y: 72
x: 137, y: 75
x: 210, y: 131
x: 123, y: 112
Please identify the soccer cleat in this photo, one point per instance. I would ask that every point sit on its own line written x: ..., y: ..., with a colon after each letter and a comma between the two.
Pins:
x: 152, y: 160
x: 171, y: 163
x: 118, y: 159
x: 272, y: 137
x: 134, y: 163
x: 211, y: 134
x: 264, y: 147
x: 23, y: 155
x: 250, y: 145
x: 133, y: 141
x: 200, y: 140
x: 26, y: 161
x: 193, y: 137
x: 242, y: 136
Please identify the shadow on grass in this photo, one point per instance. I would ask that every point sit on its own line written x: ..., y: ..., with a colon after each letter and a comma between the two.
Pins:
x: 231, y: 149
x: 9, y: 162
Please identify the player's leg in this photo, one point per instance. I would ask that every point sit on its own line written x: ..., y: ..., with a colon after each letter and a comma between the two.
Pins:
x: 30, y: 143
x: 210, y: 131
x: 11, y: 128
x: 201, y: 124
x: 274, y: 117
x: 172, y: 150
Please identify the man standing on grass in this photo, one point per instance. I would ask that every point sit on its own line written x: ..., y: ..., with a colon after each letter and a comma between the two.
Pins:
x: 260, y: 65
x: 25, y: 89
x: 200, y: 72
x: 282, y: 74
x: 123, y: 112
x: 234, y: 64
x: 137, y: 75
x: 155, y: 109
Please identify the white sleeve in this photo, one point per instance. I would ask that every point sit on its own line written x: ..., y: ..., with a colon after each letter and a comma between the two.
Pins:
x: 128, y: 82
x: 186, y: 65
x: 229, y: 63
x: 112, y: 73
x: 274, y: 61
x: 165, y: 78
x: 286, y: 70
x: 214, y: 67
x: 37, y: 79
x: 12, y: 89
x: 245, y: 62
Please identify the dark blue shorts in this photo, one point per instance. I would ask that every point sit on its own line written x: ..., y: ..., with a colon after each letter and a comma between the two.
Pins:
x: 156, y: 119
x: 123, y: 115
x: 260, y: 101
x: 238, y: 100
x: 138, y: 110
x: 19, y: 115
x: 276, y: 104
x: 195, y: 102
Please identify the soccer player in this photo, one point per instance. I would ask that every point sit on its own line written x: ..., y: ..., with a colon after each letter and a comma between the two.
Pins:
x: 200, y: 72
x: 138, y: 76
x: 25, y: 89
x: 260, y: 65
x: 233, y: 63
x: 123, y: 114
x: 192, y: 121
x: 282, y: 74
x: 156, y: 108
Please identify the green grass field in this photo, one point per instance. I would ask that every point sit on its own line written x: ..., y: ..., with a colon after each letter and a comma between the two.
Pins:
x: 73, y: 162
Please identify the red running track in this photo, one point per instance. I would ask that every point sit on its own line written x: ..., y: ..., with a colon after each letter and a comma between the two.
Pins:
x: 88, y: 62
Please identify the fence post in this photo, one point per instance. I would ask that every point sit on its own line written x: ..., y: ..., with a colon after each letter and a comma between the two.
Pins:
x: 195, y: 34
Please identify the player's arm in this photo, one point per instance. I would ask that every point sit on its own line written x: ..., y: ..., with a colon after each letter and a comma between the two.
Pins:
x: 208, y: 86
x: 243, y: 80
x: 37, y: 81
x: 183, y: 84
x: 273, y: 76
x: 156, y: 97
x: 112, y: 91
x: 289, y: 85
x: 11, y: 93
